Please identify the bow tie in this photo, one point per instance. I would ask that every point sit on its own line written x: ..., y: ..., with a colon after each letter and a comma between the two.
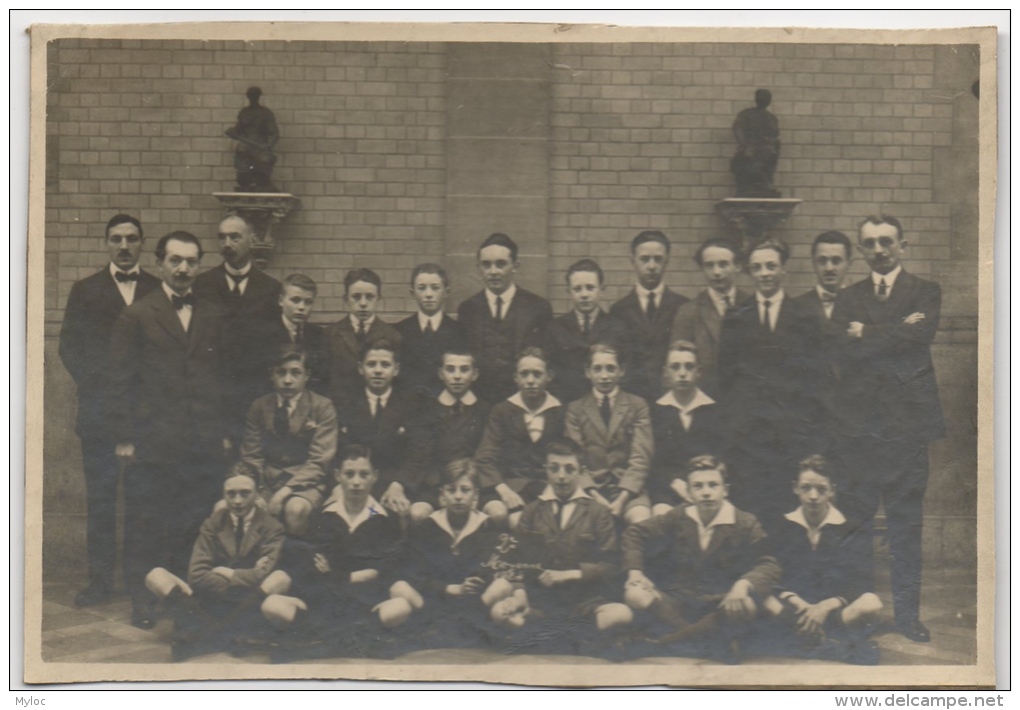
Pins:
x: 182, y: 301
x: 827, y: 297
x: 124, y: 277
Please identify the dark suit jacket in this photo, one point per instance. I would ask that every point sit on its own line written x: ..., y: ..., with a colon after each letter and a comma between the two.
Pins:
x: 773, y: 376
x: 314, y: 341
x: 400, y: 445
x: 303, y: 458
x: 507, y: 454
x: 831, y: 334
x: 343, y: 354
x: 165, y: 384
x: 841, y: 566
x: 568, y: 347
x: 888, y: 380
x: 422, y: 354
x: 623, y: 450
x: 453, y: 436
x: 93, y: 306
x: 675, y: 446
x: 649, y: 341
x: 216, y: 547
x: 699, y: 322
x: 666, y: 549
x: 244, y: 325
x: 496, y: 344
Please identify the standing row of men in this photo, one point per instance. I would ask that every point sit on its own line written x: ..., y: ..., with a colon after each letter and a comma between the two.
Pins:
x: 166, y: 368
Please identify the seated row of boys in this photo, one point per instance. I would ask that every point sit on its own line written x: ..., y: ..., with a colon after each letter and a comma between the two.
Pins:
x: 695, y: 576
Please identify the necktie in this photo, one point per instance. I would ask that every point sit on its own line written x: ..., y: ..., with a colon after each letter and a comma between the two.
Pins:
x: 767, y: 319
x: 651, y: 307
x: 361, y: 331
x: 726, y: 301
x: 499, y: 308
x: 378, y: 408
x: 429, y: 330
x: 587, y: 323
x: 239, y: 536
x: 605, y: 409
x: 883, y: 290
x: 236, y: 281
x: 281, y: 419
x: 458, y: 407
x: 182, y: 301
x: 299, y: 334
x: 125, y: 278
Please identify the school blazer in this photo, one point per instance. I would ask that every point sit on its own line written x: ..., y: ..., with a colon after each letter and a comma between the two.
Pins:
x: 775, y: 375
x: 496, y: 344
x: 422, y: 353
x: 587, y: 543
x: 649, y: 341
x: 166, y: 384
x: 567, y: 347
x: 698, y: 322
x: 302, y: 458
x: 92, y: 309
x: 624, y: 449
x: 888, y: 382
x: 398, y: 440
x: 507, y: 452
x: 216, y: 547
x: 841, y: 566
x: 666, y: 548
x: 344, y: 350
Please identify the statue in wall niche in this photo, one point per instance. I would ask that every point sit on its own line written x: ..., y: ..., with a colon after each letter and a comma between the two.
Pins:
x: 757, y: 133
x: 256, y: 135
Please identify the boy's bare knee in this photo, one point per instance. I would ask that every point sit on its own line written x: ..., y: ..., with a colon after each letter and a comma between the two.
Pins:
x: 497, y: 512
x: 296, y: 514
x: 393, y: 612
x: 278, y: 582
x: 161, y: 582
x: 610, y: 616
x: 864, y: 608
x: 281, y: 610
x: 661, y: 509
x: 513, y: 520
x: 772, y: 605
x: 498, y: 590
x: 420, y: 511
x: 403, y: 590
x: 639, y: 598
x: 637, y: 514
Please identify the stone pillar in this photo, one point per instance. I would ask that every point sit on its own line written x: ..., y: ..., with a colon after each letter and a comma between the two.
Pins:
x: 498, y: 131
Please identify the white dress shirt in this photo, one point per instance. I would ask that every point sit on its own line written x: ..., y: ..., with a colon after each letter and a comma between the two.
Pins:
x: 775, y: 304
x: 242, y: 285
x: 563, y: 510
x: 183, y: 314
x: 833, y: 517
x: 719, y: 299
x: 126, y: 288
x: 890, y: 279
x: 436, y: 320
x: 685, y: 413
x: 507, y: 298
x: 534, y: 421
x: 642, y: 294
x: 727, y: 515
x: 374, y: 400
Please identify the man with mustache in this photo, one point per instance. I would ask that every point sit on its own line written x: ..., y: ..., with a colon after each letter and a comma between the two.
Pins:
x: 250, y: 300
x: 92, y: 308
x: 888, y: 402
x: 167, y: 418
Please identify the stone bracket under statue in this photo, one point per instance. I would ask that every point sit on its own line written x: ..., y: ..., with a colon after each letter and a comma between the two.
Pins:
x: 266, y: 209
x: 753, y: 217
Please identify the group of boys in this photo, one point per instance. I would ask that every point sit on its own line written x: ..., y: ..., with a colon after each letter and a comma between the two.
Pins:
x: 184, y: 377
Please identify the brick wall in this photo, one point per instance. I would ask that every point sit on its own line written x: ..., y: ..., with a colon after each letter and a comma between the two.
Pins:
x: 642, y: 140
x: 138, y: 127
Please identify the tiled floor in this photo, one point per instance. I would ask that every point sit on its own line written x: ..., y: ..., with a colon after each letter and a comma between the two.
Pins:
x: 104, y: 634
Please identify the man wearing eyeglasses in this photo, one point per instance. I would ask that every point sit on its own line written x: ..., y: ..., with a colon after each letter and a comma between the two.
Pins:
x: 888, y: 402
x: 92, y: 308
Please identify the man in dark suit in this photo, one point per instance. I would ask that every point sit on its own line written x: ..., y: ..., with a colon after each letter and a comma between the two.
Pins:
x: 830, y: 256
x: 501, y: 320
x: 769, y: 379
x: 647, y: 313
x: 93, y: 306
x: 428, y: 333
x: 568, y: 338
x: 250, y: 300
x: 297, y: 301
x: 166, y: 414
x: 699, y: 321
x: 347, y: 336
x: 888, y: 402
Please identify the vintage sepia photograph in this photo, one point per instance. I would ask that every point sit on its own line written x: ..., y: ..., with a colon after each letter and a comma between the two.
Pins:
x: 547, y: 355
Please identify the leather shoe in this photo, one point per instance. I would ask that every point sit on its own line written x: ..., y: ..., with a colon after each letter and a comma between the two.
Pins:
x: 92, y: 595
x: 914, y: 630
